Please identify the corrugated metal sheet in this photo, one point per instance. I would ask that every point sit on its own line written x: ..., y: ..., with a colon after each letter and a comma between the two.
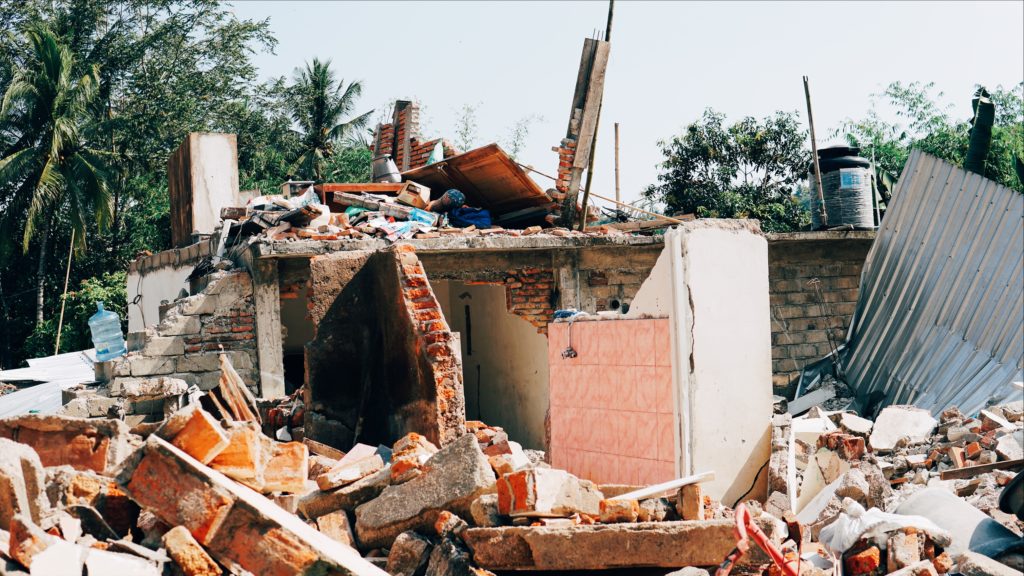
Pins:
x: 940, y: 317
x: 55, y: 373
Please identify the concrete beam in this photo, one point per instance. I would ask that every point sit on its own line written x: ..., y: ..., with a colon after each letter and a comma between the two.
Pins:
x: 269, y: 344
x: 602, y: 547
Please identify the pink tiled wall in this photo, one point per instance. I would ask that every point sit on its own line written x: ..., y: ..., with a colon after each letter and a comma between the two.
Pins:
x: 611, y: 406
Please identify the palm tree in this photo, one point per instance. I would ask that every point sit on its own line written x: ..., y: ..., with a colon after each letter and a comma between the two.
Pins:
x: 318, y: 105
x: 47, y: 174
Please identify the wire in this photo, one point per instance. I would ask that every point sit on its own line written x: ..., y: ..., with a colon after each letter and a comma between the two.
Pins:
x: 752, y: 484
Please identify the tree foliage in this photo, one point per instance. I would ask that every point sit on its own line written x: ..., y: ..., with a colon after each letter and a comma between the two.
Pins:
x: 922, y: 122
x: 747, y: 169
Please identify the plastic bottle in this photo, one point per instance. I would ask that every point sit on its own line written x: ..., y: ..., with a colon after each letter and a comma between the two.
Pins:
x: 106, y: 334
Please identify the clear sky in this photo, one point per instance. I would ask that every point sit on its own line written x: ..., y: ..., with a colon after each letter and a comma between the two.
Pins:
x: 669, y: 61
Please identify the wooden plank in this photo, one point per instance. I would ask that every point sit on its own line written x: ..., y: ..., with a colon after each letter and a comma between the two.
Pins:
x: 579, y: 96
x: 960, y: 473
x: 374, y: 187
x: 269, y: 345
x: 323, y: 449
x: 588, y: 126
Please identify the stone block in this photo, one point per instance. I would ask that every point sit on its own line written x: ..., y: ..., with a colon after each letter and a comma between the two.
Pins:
x: 286, y: 468
x: 615, y: 511
x: 82, y: 443
x: 152, y: 388
x: 164, y: 346
x: 318, y: 503
x: 337, y: 526
x: 603, y: 546
x: 199, y: 362
x: 177, y: 324
x: 451, y: 480
x: 93, y: 406
x: 347, y: 473
x: 188, y: 554
x: 657, y: 510
x: 201, y: 437
x: 151, y: 365
x: 22, y: 483
x: 241, y: 529
x: 409, y: 555
x: 547, y: 492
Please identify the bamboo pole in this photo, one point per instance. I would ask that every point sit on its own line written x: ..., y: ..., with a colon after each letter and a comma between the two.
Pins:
x: 64, y: 297
x: 618, y: 195
x: 814, y: 153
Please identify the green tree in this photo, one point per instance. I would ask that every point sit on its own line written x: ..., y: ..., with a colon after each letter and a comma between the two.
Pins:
x: 748, y: 169
x: 318, y: 105
x: 49, y: 169
x: 924, y: 123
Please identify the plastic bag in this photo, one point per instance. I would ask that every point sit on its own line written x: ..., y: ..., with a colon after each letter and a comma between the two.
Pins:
x: 855, y: 523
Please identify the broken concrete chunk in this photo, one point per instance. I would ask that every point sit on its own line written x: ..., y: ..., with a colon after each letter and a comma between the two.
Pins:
x: 62, y: 558
x: 106, y: 562
x: 1009, y: 448
x: 150, y: 388
x: 202, y: 437
x: 855, y: 486
x: 85, y: 444
x: 657, y: 510
x: 484, y: 511
x: 451, y: 480
x: 188, y: 554
x: 974, y: 564
x: 547, y: 492
x: 853, y: 424
x: 413, y: 443
x: 898, y: 422
x: 318, y: 503
x: 347, y: 473
x: 903, y: 548
x: 922, y: 568
x: 600, y: 547
x: 449, y: 558
x: 337, y: 526
x: 409, y: 555
x: 22, y: 483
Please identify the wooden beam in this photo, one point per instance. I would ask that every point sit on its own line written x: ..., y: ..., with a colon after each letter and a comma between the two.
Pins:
x: 968, y: 472
x: 588, y: 122
x: 269, y: 344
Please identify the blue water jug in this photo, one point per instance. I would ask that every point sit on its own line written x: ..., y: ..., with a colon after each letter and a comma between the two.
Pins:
x: 106, y: 334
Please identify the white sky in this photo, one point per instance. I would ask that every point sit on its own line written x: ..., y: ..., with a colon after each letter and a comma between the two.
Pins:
x: 669, y: 61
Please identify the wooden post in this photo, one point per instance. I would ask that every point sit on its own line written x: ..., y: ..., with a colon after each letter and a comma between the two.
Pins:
x: 597, y: 123
x: 64, y: 297
x: 618, y: 195
x: 583, y: 118
x: 269, y: 344
x: 814, y: 153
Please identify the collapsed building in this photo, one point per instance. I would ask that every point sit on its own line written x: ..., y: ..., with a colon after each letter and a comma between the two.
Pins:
x: 326, y: 381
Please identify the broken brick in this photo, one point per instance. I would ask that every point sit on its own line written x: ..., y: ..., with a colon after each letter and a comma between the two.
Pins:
x: 241, y: 459
x: 347, y: 473
x: 286, y: 467
x: 336, y: 525
x: 545, y: 492
x: 188, y: 554
x: 614, y: 511
x: 863, y: 562
x: 690, y: 502
x: 201, y: 437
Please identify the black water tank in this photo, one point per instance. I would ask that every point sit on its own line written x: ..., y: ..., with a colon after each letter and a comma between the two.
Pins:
x: 846, y: 186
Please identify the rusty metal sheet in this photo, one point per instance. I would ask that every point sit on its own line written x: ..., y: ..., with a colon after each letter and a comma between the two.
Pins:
x: 487, y: 176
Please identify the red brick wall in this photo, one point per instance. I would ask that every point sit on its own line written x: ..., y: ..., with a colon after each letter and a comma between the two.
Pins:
x: 529, y: 293
x: 566, y: 154
x: 232, y: 330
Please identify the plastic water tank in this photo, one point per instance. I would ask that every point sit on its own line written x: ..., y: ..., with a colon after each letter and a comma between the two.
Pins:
x: 846, y: 186
x: 107, y: 337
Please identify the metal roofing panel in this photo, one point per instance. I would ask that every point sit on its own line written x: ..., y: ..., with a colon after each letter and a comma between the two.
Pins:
x: 940, y: 315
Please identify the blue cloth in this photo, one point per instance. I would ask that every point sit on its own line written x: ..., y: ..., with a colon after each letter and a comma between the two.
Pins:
x: 466, y: 216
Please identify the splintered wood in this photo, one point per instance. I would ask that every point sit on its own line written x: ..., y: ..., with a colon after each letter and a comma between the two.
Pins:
x: 238, y: 402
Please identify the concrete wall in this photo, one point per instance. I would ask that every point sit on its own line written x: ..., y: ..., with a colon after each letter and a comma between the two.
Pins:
x: 160, y: 277
x: 800, y: 325
x: 202, y: 177
x: 504, y: 360
x: 612, y: 405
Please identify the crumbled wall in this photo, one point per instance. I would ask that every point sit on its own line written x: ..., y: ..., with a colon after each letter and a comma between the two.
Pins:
x: 188, y: 340
x: 529, y: 293
x: 566, y: 154
x: 800, y: 324
x: 382, y: 362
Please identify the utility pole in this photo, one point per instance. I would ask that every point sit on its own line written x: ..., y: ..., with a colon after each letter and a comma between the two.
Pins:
x: 618, y: 196
x: 814, y: 153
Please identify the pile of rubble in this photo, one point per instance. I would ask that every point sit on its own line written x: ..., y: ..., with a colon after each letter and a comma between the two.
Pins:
x: 889, y: 495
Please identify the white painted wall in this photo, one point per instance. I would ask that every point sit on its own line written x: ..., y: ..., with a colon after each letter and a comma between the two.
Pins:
x: 506, y: 374
x: 214, y: 178
x: 713, y: 283
x: 164, y: 283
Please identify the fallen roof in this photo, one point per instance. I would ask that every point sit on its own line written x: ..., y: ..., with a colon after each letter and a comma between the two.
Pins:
x: 941, y: 307
x: 54, y: 373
